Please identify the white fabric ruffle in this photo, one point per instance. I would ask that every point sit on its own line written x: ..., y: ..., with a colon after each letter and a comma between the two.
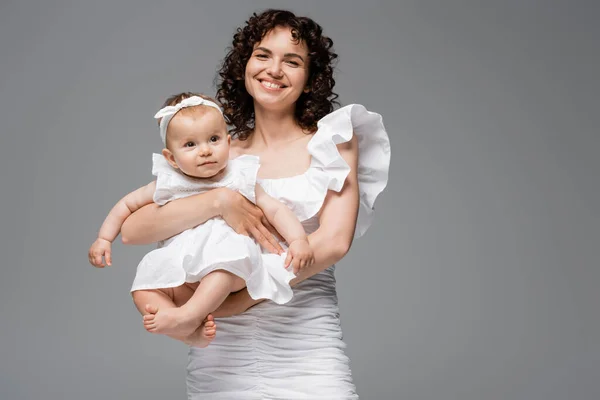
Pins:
x: 240, y: 175
x: 305, y: 193
x: 214, y: 245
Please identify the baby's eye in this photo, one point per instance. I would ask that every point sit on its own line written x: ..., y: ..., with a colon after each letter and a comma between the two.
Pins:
x: 189, y: 144
x: 214, y: 139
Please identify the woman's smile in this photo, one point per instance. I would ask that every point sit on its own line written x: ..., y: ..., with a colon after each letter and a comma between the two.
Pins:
x: 277, y: 72
x: 271, y: 85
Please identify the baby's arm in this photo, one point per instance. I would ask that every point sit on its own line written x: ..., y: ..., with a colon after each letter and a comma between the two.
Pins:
x: 287, y: 224
x: 114, y: 220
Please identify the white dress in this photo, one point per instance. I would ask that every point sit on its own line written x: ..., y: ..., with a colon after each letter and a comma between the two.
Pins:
x: 196, y: 252
x: 295, y: 351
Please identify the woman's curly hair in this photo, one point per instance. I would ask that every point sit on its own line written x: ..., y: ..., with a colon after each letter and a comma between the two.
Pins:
x: 238, y: 105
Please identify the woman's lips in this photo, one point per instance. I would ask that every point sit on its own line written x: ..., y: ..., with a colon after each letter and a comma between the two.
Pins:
x: 271, y: 85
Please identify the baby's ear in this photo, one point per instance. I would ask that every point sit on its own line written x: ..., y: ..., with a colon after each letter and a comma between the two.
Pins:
x: 170, y: 158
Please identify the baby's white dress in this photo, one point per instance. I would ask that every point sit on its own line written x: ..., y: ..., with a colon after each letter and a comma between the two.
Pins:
x: 295, y: 351
x: 213, y: 245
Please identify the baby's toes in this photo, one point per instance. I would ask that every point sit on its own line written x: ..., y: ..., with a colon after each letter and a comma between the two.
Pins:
x: 210, y: 331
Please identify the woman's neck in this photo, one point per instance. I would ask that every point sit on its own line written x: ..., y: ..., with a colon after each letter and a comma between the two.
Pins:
x: 272, y: 128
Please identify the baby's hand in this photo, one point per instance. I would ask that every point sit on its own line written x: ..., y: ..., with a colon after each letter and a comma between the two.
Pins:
x: 101, y: 247
x: 300, y: 255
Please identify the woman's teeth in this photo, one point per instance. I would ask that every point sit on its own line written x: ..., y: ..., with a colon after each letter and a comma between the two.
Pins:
x: 271, y: 85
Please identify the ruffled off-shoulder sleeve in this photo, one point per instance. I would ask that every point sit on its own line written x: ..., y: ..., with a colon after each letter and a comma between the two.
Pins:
x: 329, y: 170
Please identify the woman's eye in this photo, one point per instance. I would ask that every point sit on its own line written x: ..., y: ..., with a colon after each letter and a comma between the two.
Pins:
x: 293, y: 63
x: 189, y: 144
x: 214, y: 139
x: 261, y: 56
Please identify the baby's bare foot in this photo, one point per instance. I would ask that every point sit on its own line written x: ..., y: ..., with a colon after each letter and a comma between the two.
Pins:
x: 204, y: 334
x: 170, y: 321
x: 149, y: 323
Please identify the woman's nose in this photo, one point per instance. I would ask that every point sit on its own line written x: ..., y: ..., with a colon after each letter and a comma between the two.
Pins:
x: 275, y: 69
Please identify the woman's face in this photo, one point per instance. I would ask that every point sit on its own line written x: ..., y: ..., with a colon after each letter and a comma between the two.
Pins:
x: 277, y: 71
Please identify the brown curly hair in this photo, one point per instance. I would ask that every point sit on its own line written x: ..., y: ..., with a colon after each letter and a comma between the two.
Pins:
x: 238, y: 105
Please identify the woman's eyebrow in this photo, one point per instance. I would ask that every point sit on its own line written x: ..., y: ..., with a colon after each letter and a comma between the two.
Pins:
x: 264, y: 49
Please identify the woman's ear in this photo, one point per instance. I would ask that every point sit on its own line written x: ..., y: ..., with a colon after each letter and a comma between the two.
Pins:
x: 169, y: 157
x: 228, y: 139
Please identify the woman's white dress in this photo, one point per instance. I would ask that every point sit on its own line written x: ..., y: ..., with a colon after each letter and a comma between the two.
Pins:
x: 295, y: 351
x: 196, y: 252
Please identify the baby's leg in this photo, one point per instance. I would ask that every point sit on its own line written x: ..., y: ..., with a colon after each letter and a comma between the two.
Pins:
x: 211, y: 292
x: 149, y: 302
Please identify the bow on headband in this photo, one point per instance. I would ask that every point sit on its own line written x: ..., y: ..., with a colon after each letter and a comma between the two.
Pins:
x: 168, y: 112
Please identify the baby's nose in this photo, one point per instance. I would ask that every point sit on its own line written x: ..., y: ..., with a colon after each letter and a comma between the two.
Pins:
x: 205, y: 150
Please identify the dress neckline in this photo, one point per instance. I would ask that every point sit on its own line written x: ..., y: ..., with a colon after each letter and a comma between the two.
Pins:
x: 310, y: 165
x: 285, y: 177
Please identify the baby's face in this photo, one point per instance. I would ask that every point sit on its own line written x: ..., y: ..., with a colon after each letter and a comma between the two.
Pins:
x: 199, y: 143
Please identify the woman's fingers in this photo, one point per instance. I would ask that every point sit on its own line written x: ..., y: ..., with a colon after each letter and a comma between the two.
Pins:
x: 265, y: 227
x: 247, y: 219
x: 262, y: 239
x: 265, y: 234
x: 288, y: 259
x: 275, y: 247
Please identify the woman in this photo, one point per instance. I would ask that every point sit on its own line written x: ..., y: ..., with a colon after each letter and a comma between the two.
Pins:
x: 276, y: 84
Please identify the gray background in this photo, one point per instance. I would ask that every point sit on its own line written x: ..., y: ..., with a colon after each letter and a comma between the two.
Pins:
x: 478, y: 279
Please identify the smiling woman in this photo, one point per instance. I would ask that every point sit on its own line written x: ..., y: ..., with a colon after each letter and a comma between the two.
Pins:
x: 276, y: 74
x: 277, y: 48
x: 327, y: 167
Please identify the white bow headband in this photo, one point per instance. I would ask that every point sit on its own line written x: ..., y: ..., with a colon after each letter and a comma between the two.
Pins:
x: 168, y: 112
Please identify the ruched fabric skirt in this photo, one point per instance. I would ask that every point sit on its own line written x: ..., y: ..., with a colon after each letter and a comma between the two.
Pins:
x: 291, y: 351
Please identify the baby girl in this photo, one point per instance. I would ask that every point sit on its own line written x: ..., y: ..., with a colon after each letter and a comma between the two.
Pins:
x: 212, y: 257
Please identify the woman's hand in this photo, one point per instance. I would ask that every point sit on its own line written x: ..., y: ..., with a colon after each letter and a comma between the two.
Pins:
x: 247, y: 219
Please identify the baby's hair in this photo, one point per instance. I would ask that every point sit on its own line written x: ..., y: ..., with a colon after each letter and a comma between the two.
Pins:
x: 179, y: 97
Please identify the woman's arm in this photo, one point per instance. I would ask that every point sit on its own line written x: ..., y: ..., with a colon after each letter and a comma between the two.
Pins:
x: 330, y: 242
x: 153, y: 223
